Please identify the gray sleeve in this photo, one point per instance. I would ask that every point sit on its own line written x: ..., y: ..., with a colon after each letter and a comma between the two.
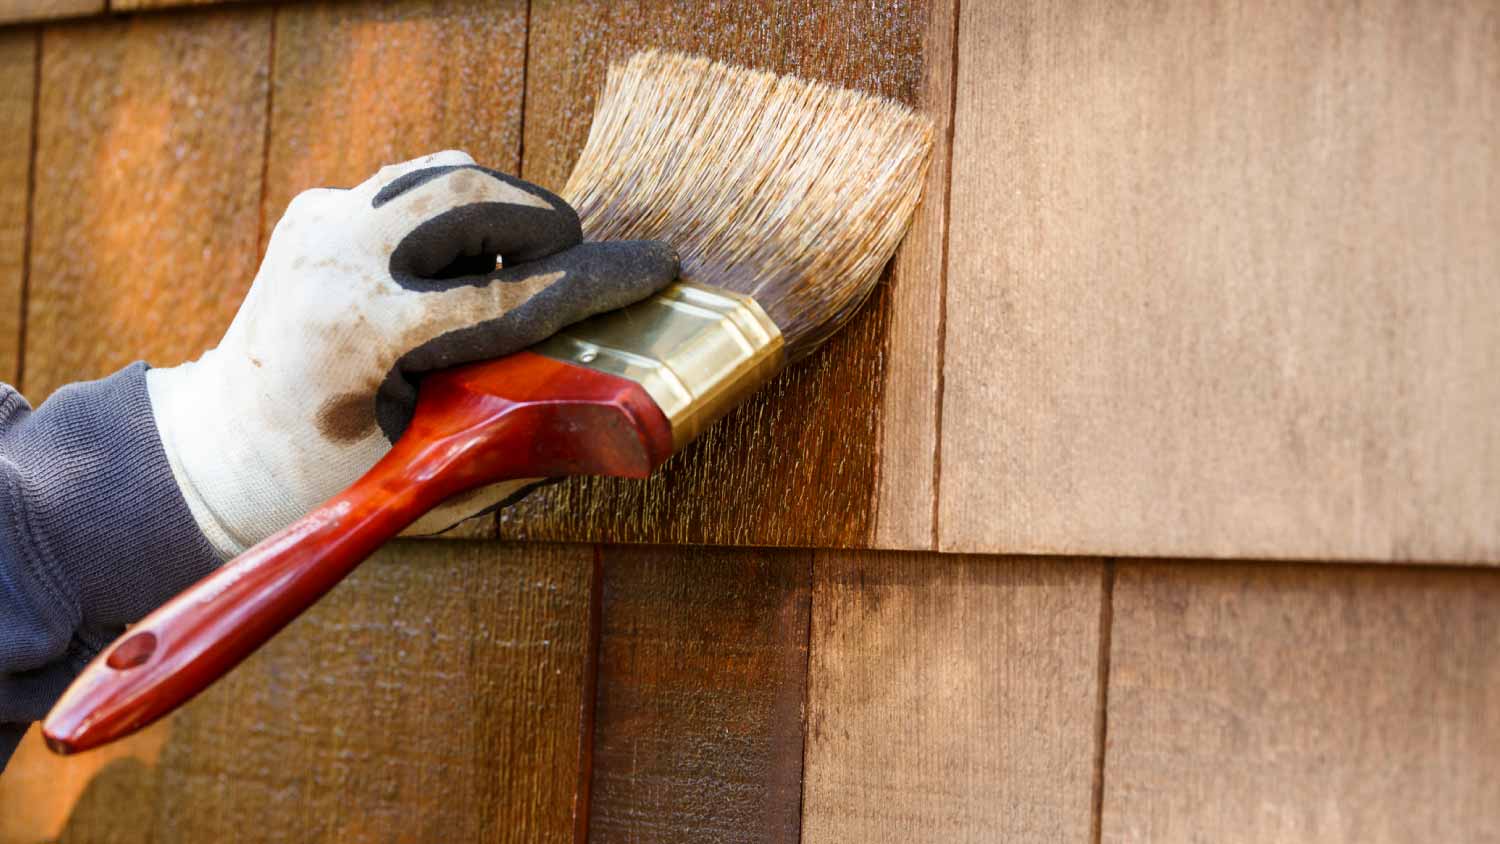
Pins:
x: 94, y: 534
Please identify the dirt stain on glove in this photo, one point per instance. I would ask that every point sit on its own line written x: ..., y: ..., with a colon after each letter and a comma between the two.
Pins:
x: 347, y: 417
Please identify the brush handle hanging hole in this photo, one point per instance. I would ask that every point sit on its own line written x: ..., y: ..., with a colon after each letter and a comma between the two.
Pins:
x: 134, y: 651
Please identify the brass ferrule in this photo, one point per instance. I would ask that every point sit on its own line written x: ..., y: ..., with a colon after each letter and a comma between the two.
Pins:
x: 697, y: 350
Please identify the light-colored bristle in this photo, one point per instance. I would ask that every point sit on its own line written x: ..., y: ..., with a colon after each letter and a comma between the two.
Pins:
x: 793, y: 192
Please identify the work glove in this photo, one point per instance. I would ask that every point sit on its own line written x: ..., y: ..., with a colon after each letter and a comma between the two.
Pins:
x: 361, y: 292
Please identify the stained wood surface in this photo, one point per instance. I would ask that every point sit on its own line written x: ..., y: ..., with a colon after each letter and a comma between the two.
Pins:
x: 702, y: 672
x: 12, y: 11
x: 435, y: 696
x: 150, y: 142
x: 952, y: 699
x: 1268, y: 703
x: 17, y: 93
x: 1223, y: 281
x: 805, y: 462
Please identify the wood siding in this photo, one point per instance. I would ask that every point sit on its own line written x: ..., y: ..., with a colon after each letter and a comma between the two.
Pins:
x: 952, y: 699
x: 446, y: 692
x: 150, y: 146
x: 1224, y: 281
x: 1296, y: 703
x: 18, y: 52
x: 1281, y: 349
x: 807, y: 461
x: 1220, y: 285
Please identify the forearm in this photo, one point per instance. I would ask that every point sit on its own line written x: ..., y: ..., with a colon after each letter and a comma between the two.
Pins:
x: 94, y: 533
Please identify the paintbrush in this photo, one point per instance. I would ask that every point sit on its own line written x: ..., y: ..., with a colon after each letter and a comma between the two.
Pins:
x: 784, y: 199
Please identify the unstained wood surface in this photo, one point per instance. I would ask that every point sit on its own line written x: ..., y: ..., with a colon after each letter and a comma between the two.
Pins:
x: 1223, y: 281
x: 435, y: 696
x: 701, y: 680
x: 1299, y: 703
x: 150, y: 141
x: 952, y: 699
x: 801, y: 463
x: 17, y: 92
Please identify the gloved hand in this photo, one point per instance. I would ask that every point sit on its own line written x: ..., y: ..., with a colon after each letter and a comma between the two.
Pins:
x: 361, y: 291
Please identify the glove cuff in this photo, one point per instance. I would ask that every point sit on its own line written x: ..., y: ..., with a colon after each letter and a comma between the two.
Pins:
x: 212, y: 452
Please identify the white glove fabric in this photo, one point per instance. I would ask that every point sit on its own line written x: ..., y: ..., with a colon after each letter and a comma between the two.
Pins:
x: 360, y: 292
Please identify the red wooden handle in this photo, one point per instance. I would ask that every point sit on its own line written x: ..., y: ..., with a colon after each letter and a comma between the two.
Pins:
x: 525, y: 416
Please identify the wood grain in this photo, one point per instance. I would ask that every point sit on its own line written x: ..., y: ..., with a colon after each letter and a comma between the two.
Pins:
x: 907, y: 475
x: 698, y: 723
x: 1222, y: 281
x: 362, y: 85
x: 435, y: 696
x: 802, y: 463
x: 359, y: 86
x: 1270, y: 703
x: 17, y: 99
x: 150, y: 138
x: 13, y: 11
x: 952, y: 699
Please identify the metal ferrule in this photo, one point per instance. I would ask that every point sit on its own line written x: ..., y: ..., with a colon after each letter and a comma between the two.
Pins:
x: 697, y: 350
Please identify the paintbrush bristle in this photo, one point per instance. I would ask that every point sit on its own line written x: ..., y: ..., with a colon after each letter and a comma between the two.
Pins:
x: 793, y: 192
